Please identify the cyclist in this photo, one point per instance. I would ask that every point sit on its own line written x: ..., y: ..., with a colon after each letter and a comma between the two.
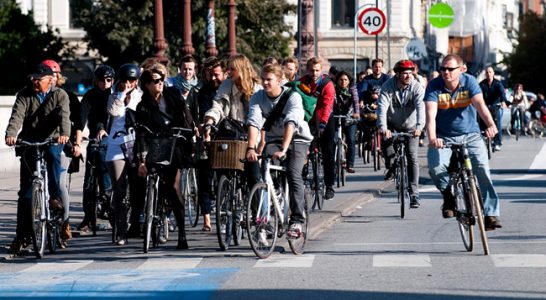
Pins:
x: 538, y: 109
x: 72, y: 150
x: 322, y: 87
x: 451, y: 102
x: 375, y: 79
x: 187, y: 83
x: 286, y: 133
x: 346, y: 103
x: 519, y: 102
x: 40, y: 111
x: 94, y: 114
x: 121, y: 106
x: 495, y: 99
x: 401, y: 108
x: 290, y: 66
x: 160, y: 110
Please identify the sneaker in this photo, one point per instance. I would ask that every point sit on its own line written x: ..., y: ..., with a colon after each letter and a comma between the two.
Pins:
x: 350, y: 170
x: 497, y: 148
x: 448, y: 208
x: 414, y: 202
x: 390, y: 174
x: 295, y: 230
x: 262, y: 238
x: 55, y: 204
x: 330, y: 194
x: 66, y: 234
x: 121, y: 242
x: 492, y: 223
x: 162, y: 239
x: 16, y: 246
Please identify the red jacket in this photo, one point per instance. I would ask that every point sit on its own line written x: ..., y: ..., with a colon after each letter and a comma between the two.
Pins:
x: 325, y: 100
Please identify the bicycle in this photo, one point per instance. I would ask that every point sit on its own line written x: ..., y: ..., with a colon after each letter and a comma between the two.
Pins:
x: 188, y: 190
x: 468, y: 198
x: 268, y: 212
x: 340, y: 149
x: 160, y: 155
x: 40, y: 214
x: 100, y: 201
x: 53, y: 225
x: 515, y: 126
x: 401, y: 168
x: 313, y: 174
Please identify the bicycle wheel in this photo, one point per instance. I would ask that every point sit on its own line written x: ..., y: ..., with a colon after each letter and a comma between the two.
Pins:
x: 517, y: 125
x: 298, y: 245
x: 238, y: 211
x: 477, y: 205
x: 375, y: 152
x: 52, y: 235
x: 488, y: 147
x: 224, y: 213
x: 149, y: 212
x: 262, y: 221
x: 465, y: 219
x: 192, y: 185
x: 402, y: 186
x: 343, y: 165
x: 38, y: 227
x: 318, y: 186
x: 338, y: 164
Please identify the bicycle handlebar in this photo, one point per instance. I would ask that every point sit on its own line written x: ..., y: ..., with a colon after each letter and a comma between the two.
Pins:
x: 47, y: 142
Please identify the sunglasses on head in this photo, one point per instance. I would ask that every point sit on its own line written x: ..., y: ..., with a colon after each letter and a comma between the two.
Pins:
x: 443, y: 69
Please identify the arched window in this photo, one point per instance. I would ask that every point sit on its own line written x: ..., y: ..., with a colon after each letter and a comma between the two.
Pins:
x: 343, y: 13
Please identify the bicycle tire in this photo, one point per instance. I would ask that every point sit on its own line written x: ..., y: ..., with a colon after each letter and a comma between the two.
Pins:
x: 224, y: 213
x: 149, y: 213
x: 375, y: 152
x: 318, y: 176
x: 52, y: 235
x: 488, y: 147
x: 194, y: 196
x: 262, y: 226
x: 477, y: 205
x: 95, y: 200
x: 465, y: 218
x: 343, y: 167
x: 402, y: 187
x: 238, y: 210
x: 338, y: 165
x: 38, y: 227
x: 517, y: 124
x: 298, y: 245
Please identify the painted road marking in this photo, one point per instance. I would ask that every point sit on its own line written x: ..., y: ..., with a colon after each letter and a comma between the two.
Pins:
x: 539, y: 162
x: 286, y: 261
x: 381, y: 261
x: 170, y: 263
x: 434, y: 243
x: 58, y: 266
x: 519, y: 260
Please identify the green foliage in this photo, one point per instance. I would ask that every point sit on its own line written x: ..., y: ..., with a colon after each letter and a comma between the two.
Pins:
x: 528, y: 60
x: 122, y: 31
x: 22, y: 46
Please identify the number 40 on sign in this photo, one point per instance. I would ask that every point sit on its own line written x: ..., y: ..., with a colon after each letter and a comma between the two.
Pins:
x: 372, y: 21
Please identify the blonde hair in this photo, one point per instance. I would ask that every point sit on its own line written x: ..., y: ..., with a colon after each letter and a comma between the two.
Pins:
x: 61, y: 80
x: 274, y: 69
x: 248, y: 77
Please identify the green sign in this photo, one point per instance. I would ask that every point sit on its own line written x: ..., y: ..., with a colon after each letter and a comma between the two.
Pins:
x: 440, y: 15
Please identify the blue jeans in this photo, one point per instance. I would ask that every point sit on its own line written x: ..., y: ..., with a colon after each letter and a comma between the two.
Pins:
x: 438, y: 162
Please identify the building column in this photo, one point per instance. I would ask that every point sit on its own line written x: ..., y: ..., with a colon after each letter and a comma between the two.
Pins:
x: 187, y: 46
x: 232, y: 49
x: 160, y: 44
x: 211, y: 29
x: 307, y: 37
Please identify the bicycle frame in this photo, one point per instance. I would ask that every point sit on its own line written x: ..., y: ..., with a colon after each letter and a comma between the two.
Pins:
x: 267, y: 167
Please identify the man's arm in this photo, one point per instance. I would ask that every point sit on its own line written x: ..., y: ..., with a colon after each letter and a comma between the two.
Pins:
x: 18, y: 113
x: 484, y: 113
x: 420, y: 109
x: 382, y: 109
x: 431, y: 111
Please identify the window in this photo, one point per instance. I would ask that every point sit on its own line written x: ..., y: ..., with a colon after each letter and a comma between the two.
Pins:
x: 343, y: 14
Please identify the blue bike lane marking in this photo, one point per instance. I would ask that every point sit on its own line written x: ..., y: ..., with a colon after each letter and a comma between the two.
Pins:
x: 109, y: 283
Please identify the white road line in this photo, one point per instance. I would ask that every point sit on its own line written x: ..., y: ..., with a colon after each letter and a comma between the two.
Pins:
x: 540, y: 159
x: 286, y: 261
x: 519, y: 260
x: 434, y: 243
x: 170, y: 263
x: 519, y: 178
x: 58, y: 266
x: 410, y: 260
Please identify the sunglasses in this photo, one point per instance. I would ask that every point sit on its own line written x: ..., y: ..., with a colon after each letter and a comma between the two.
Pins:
x: 108, y: 80
x: 157, y: 81
x: 443, y: 69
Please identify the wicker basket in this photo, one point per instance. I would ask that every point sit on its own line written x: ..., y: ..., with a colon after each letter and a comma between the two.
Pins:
x: 226, y: 154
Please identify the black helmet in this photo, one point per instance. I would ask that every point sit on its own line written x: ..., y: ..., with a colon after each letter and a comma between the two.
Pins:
x: 128, y: 71
x: 104, y: 71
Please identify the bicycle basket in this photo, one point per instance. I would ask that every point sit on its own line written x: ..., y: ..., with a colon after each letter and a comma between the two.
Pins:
x: 160, y: 150
x: 226, y: 154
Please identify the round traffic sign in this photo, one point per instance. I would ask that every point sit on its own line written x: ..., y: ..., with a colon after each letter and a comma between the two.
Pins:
x: 416, y: 49
x: 441, y: 15
x: 372, y: 21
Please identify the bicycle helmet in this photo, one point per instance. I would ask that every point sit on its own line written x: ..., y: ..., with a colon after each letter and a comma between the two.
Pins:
x: 128, y: 71
x: 104, y: 71
x: 53, y: 65
x: 404, y: 65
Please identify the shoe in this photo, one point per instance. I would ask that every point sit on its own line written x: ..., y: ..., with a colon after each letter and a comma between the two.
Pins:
x: 330, y: 194
x: 162, y: 239
x: 448, y: 208
x: 16, y: 246
x: 121, y: 242
x: 414, y: 202
x: 55, y: 204
x: 66, y: 234
x: 262, y: 238
x: 492, y: 223
x: 421, y: 143
x: 390, y: 174
x: 295, y: 230
x: 206, y: 228
x: 350, y: 170
x: 497, y: 148
x: 182, y: 244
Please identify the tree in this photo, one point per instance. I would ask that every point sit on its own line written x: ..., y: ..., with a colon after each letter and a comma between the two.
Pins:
x: 527, y: 62
x: 22, y: 46
x: 122, y: 31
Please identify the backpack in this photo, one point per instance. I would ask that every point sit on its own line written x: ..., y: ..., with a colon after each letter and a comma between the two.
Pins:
x: 309, y: 101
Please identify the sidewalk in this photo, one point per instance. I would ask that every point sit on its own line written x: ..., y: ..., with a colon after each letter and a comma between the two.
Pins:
x: 361, y: 187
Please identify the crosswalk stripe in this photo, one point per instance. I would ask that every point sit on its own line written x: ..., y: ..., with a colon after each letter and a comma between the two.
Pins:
x: 401, y: 261
x: 286, y: 261
x: 177, y: 263
x: 519, y: 260
x: 58, y: 266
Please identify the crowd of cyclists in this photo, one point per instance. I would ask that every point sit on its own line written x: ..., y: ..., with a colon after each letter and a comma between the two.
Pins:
x: 232, y: 94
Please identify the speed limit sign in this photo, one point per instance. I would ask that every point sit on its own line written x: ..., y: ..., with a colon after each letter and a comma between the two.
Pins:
x: 372, y: 21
